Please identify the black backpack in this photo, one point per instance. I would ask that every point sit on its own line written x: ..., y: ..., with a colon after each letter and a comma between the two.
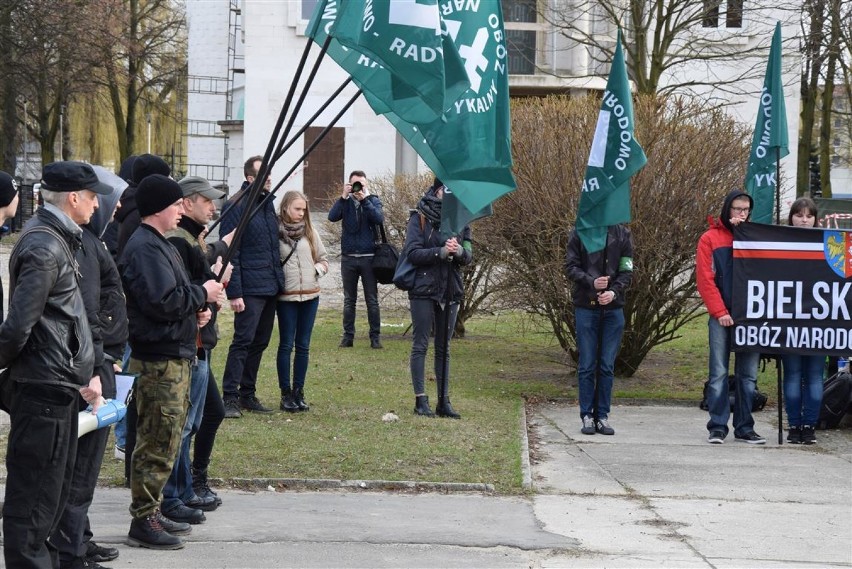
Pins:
x: 758, y: 404
x: 836, y: 400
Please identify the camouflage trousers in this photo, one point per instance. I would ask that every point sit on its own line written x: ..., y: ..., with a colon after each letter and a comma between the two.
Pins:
x: 161, y: 392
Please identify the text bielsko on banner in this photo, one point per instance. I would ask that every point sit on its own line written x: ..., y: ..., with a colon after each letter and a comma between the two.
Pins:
x: 791, y: 290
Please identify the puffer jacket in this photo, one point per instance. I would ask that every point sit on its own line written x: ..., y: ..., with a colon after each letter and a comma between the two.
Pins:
x: 359, y: 223
x: 615, y: 261
x: 257, y: 264
x: 161, y: 301
x: 46, y: 336
x: 302, y: 272
x: 423, y: 243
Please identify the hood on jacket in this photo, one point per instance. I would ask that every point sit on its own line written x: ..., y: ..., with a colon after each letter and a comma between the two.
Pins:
x: 106, y: 204
x: 725, y: 215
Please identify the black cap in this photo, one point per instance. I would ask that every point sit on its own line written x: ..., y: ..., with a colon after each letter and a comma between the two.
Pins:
x: 155, y: 193
x: 8, y: 189
x: 70, y: 176
x: 148, y: 164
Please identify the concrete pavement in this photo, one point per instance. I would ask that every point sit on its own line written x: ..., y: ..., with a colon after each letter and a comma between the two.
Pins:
x: 654, y: 495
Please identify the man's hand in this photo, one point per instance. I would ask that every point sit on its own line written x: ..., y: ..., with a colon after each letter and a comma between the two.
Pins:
x: 92, y: 393
x: 601, y: 283
x: 347, y: 189
x: 237, y: 304
x: 214, y: 289
x: 606, y: 297
x: 726, y: 320
x: 217, y: 266
x: 204, y: 317
x: 227, y: 239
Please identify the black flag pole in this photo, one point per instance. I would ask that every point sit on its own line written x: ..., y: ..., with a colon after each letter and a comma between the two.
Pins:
x: 779, y: 379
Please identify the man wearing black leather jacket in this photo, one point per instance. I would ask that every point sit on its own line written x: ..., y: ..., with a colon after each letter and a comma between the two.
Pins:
x: 46, y: 344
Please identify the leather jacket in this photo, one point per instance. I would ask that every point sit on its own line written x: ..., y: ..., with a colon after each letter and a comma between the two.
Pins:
x: 46, y: 336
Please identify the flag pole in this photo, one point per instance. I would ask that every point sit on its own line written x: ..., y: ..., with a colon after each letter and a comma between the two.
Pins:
x: 778, y: 378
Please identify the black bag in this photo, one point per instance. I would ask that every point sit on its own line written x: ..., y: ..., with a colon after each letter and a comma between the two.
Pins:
x: 836, y: 400
x: 385, y: 259
x: 403, y: 276
x: 7, y: 390
x: 758, y: 404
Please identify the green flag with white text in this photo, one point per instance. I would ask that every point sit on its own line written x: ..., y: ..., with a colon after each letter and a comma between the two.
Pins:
x: 771, y: 140
x: 615, y: 156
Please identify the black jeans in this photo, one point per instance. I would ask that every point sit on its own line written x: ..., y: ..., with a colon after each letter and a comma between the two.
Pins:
x: 214, y: 414
x: 351, y: 269
x: 252, y: 330
x: 40, y: 465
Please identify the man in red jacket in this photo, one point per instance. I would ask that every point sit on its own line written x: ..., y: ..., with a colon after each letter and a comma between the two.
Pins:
x: 714, y: 263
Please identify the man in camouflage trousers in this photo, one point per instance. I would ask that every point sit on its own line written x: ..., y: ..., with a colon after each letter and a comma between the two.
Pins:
x: 165, y: 311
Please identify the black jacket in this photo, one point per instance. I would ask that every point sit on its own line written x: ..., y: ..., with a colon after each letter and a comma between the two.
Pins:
x: 197, y: 265
x: 161, y: 301
x: 46, y: 336
x: 423, y: 247
x: 127, y: 218
x: 616, y: 261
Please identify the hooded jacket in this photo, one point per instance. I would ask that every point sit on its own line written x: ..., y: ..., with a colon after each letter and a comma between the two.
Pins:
x: 714, y: 259
x: 615, y: 261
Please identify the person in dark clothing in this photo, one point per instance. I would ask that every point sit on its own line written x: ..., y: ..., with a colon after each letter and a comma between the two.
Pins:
x: 435, y: 297
x: 103, y: 298
x: 600, y: 282
x: 256, y: 281
x: 110, y: 234
x: 128, y: 217
x: 360, y: 213
x: 180, y: 501
x: 46, y: 344
x: 165, y: 311
x: 8, y: 208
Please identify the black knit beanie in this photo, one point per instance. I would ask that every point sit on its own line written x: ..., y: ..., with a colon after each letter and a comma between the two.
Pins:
x: 8, y: 189
x: 148, y: 164
x: 155, y: 193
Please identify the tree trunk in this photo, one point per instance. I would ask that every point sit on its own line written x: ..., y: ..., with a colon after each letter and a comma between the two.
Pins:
x: 828, y: 100
x: 810, y: 83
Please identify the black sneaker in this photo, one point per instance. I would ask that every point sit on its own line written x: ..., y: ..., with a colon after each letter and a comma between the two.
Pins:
x: 345, y: 343
x: 794, y: 435
x: 751, y: 438
x: 232, y: 409
x: 588, y: 425
x: 808, y: 435
x: 148, y: 532
x: 181, y: 513
x: 602, y: 427
x: 716, y: 437
x: 81, y: 563
x: 98, y: 554
x: 253, y: 405
x: 173, y: 527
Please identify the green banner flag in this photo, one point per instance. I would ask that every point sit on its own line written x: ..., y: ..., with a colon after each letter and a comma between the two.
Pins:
x: 419, y: 93
x: 454, y: 215
x: 615, y: 156
x: 770, y: 142
x: 407, y: 39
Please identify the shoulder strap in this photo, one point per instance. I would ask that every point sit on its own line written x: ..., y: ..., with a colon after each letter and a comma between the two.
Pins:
x: 293, y: 250
x: 382, y: 232
x: 44, y: 229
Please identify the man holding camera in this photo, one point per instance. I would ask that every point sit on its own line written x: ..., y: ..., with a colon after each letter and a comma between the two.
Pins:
x: 360, y: 212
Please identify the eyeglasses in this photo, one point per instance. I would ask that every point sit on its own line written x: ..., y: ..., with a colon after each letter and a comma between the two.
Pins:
x: 740, y: 209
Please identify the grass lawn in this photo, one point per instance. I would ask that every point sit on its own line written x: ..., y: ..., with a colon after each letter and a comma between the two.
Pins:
x: 503, y: 361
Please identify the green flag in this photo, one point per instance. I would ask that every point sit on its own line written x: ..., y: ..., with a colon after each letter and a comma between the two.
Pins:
x: 615, y: 156
x: 770, y: 142
x: 454, y: 215
x: 419, y: 93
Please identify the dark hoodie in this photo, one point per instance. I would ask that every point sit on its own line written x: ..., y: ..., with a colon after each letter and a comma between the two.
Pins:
x: 714, y: 259
x: 128, y: 217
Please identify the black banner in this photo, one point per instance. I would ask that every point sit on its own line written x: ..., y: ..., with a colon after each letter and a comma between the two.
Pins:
x: 791, y: 290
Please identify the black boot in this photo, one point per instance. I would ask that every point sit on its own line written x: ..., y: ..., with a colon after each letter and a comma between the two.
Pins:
x: 201, y: 486
x: 421, y: 406
x: 444, y: 409
x: 149, y: 532
x: 288, y: 402
x: 299, y: 396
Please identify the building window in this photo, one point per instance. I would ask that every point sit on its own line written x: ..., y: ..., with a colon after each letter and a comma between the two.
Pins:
x: 520, y: 19
x: 711, y: 14
x: 734, y: 16
x: 713, y: 10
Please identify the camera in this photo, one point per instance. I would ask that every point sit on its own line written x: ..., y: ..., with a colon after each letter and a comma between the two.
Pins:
x: 357, y: 187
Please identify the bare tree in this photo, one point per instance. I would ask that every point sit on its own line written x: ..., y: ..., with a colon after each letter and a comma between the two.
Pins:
x: 813, y: 23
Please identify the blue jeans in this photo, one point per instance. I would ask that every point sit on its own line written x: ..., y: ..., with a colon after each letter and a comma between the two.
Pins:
x: 351, y: 269
x: 252, y: 331
x: 121, y: 426
x: 178, y: 487
x: 587, y: 323
x: 803, y: 388
x: 295, y: 324
x: 745, y: 372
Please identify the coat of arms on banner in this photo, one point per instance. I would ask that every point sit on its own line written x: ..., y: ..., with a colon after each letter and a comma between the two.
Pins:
x: 837, y: 246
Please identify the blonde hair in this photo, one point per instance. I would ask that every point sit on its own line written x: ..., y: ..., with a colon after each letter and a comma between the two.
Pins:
x: 286, y: 201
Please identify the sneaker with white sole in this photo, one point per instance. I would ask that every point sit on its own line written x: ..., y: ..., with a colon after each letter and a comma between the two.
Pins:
x: 588, y: 425
x: 716, y: 437
x: 119, y: 452
x: 602, y: 427
x: 751, y: 438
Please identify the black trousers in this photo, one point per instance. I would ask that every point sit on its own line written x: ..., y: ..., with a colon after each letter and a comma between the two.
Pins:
x: 252, y: 331
x: 40, y: 466
x: 213, y: 415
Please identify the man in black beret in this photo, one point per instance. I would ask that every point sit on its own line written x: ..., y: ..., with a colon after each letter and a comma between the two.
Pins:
x: 46, y: 346
x: 165, y: 312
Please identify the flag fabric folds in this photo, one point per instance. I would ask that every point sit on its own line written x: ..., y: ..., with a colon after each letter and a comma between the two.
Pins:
x: 771, y: 140
x: 469, y: 145
x: 615, y: 156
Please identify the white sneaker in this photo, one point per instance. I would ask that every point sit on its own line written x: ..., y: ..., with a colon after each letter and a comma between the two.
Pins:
x: 119, y: 452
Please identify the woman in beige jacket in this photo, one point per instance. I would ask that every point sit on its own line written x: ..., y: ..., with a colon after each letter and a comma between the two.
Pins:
x: 304, y: 260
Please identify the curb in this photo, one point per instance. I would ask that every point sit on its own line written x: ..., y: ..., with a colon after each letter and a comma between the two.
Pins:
x: 280, y: 484
x: 526, y: 468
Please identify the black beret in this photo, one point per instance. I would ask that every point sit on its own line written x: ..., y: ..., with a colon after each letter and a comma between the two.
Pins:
x: 148, y: 164
x: 8, y: 189
x: 70, y: 176
x: 155, y: 193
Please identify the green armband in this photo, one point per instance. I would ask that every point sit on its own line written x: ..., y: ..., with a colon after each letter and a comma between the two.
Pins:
x: 468, y: 246
x: 625, y: 264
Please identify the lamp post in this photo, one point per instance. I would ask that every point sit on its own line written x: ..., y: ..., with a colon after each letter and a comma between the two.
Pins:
x: 24, y: 169
x: 149, y: 133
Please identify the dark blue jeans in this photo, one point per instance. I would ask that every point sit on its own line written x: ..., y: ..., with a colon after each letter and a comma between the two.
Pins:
x: 745, y: 371
x: 295, y: 324
x: 803, y: 388
x: 351, y: 269
x: 252, y: 330
x: 588, y: 323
